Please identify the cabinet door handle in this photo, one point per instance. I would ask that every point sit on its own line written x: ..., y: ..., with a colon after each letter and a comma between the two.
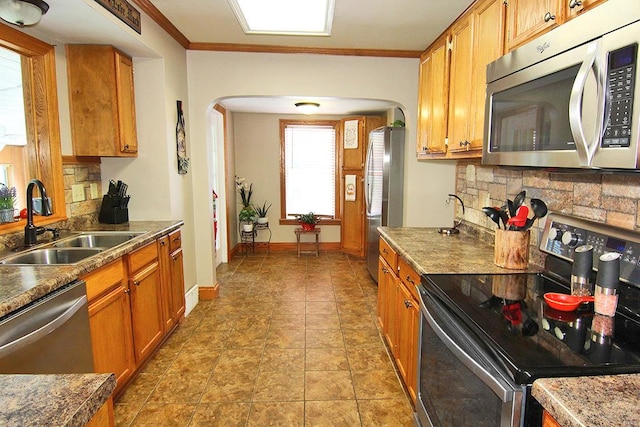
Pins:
x: 409, y: 280
x: 407, y: 303
x: 136, y: 282
x: 385, y: 251
x: 174, y: 257
x: 127, y: 291
x: 384, y: 270
x: 162, y: 242
x: 574, y: 3
x: 549, y: 17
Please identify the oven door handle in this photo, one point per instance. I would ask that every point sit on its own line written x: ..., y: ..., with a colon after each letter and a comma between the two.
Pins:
x: 484, y: 368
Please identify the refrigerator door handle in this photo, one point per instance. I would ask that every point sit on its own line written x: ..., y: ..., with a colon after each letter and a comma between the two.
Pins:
x: 367, y: 182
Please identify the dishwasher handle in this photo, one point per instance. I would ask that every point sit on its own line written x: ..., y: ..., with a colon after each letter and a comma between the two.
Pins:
x: 44, y: 330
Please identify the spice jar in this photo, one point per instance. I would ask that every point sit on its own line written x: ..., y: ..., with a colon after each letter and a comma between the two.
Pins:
x: 606, y: 291
x: 581, y: 271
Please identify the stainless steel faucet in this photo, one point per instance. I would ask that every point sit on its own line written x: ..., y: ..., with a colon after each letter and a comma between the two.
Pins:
x: 30, y: 230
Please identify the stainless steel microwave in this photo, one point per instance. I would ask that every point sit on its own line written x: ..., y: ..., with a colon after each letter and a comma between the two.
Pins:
x: 571, y: 98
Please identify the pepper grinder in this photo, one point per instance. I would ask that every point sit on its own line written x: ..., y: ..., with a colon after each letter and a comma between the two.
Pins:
x: 606, y: 292
x: 581, y: 271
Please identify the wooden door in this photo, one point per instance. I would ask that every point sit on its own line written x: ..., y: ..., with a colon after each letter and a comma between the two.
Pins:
x: 489, y: 22
x: 460, y: 84
x: 164, y: 259
x: 352, y: 231
x: 437, y: 93
x: 177, y: 285
x: 126, y: 105
x: 577, y: 7
x: 146, y: 310
x: 527, y: 19
x: 407, y: 354
x: 112, y: 336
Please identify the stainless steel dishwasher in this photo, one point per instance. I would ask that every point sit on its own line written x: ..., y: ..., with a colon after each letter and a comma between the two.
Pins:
x: 49, y: 336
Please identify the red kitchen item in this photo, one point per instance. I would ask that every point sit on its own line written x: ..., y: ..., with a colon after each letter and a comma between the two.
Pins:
x: 564, y: 302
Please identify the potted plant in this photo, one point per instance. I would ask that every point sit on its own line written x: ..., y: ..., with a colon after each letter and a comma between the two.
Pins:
x: 7, y: 201
x: 246, y: 190
x: 262, y: 211
x: 246, y: 217
x: 308, y: 221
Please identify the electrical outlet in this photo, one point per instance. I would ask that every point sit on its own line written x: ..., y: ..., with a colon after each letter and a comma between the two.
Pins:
x: 77, y: 192
x: 94, y: 190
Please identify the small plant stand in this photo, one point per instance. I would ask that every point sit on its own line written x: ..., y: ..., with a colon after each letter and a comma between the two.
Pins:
x: 248, y: 240
x: 300, y: 231
x: 260, y: 227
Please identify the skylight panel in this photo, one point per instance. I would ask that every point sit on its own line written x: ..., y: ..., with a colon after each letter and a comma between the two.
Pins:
x: 293, y: 17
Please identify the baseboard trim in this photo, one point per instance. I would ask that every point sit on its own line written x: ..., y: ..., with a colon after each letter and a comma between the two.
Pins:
x: 209, y: 292
x: 191, y: 299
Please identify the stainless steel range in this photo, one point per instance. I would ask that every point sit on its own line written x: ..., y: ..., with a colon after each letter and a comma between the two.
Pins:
x: 486, y: 338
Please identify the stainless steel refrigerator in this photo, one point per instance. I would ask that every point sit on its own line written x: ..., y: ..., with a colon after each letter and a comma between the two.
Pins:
x: 383, y: 187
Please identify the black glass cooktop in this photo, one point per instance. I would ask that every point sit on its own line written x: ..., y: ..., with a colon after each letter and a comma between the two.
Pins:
x: 532, y: 340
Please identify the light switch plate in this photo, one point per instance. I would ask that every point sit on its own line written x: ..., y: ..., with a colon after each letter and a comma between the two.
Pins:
x: 94, y: 190
x: 77, y: 192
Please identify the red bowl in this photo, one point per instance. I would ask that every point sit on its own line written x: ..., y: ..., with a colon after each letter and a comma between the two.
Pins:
x: 564, y: 302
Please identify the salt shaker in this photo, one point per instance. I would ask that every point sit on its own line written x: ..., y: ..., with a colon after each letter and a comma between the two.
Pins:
x: 581, y: 271
x: 606, y: 291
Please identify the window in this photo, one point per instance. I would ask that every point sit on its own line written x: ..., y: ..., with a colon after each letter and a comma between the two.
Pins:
x: 43, y: 159
x: 309, y: 168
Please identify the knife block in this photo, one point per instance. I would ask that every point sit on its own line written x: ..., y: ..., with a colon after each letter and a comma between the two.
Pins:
x: 511, y: 249
x: 110, y: 213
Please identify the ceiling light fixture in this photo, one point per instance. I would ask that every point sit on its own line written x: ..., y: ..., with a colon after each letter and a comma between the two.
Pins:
x: 22, y: 12
x: 307, y: 107
x: 288, y: 17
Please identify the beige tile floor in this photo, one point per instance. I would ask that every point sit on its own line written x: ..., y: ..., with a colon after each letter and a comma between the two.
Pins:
x: 290, y: 342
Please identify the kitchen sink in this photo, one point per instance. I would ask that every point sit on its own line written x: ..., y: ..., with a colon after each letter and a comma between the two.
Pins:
x: 97, y: 239
x: 51, y: 256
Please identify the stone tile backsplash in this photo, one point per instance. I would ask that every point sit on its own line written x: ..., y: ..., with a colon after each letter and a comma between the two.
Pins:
x: 611, y: 198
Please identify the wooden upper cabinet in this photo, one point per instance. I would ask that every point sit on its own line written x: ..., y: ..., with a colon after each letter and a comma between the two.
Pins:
x: 433, y: 100
x: 576, y: 7
x: 101, y: 101
x: 488, y: 45
x: 527, y: 19
x: 460, y: 84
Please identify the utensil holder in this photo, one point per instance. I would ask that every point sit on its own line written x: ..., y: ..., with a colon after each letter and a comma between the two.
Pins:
x: 111, y: 213
x: 511, y: 249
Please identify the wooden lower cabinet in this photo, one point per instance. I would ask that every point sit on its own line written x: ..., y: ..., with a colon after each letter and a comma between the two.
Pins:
x: 406, y: 356
x: 399, y: 316
x: 110, y: 322
x: 146, y: 301
x: 172, y: 272
x: 548, y: 420
x: 104, y: 416
x: 127, y: 299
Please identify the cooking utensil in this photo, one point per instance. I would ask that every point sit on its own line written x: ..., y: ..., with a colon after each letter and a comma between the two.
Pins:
x: 564, y: 302
x: 519, y: 199
x: 492, y: 213
x: 511, y: 208
x: 539, y: 208
x: 519, y: 221
x: 504, y: 215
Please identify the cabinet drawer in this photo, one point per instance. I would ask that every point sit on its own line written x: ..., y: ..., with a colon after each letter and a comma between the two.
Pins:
x: 388, y: 254
x: 103, y: 279
x: 175, y: 241
x: 409, y: 277
x: 143, y: 256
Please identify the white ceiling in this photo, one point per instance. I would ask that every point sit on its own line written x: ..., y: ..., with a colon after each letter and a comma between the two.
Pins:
x: 357, y: 24
x: 403, y: 25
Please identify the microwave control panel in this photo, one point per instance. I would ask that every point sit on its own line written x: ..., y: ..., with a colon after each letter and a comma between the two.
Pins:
x: 620, y: 85
x: 562, y: 234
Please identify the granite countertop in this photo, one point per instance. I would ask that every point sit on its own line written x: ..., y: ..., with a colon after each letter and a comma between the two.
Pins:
x: 578, y: 401
x: 22, y: 285
x: 430, y: 252
x: 591, y: 401
x: 69, y: 399
x: 61, y: 400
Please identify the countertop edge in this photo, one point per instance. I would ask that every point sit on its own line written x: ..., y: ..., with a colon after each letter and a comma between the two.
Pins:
x: 35, y: 282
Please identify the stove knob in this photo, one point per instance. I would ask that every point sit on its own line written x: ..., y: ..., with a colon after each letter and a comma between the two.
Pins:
x: 555, y: 234
x: 570, y: 239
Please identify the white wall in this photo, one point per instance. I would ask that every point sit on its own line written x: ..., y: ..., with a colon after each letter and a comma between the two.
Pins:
x: 216, y: 75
